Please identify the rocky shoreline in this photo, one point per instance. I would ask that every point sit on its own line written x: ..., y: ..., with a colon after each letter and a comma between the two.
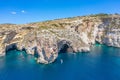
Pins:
x: 47, y: 39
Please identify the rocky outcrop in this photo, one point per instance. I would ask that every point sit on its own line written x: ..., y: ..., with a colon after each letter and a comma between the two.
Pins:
x: 46, y: 39
x: 109, y: 32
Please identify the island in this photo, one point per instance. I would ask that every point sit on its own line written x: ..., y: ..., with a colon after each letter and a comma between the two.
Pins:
x: 45, y: 40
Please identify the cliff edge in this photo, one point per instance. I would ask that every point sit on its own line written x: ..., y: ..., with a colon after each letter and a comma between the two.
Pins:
x: 46, y: 39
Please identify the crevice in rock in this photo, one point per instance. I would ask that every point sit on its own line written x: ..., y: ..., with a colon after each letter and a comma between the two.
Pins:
x: 36, y: 52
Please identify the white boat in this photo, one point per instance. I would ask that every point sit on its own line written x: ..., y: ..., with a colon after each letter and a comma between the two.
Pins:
x: 61, y: 61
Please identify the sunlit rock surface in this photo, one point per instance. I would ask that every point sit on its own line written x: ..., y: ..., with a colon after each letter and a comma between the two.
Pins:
x: 46, y: 39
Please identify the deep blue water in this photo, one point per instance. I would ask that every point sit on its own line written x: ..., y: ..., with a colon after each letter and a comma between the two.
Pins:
x: 102, y: 63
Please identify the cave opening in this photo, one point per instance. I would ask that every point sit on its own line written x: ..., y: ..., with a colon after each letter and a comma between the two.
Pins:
x: 11, y: 47
x: 64, y: 48
x: 96, y: 42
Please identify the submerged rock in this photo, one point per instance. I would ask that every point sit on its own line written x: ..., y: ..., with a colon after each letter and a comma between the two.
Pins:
x: 45, y: 40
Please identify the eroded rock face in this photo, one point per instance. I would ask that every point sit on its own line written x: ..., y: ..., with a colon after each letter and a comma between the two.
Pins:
x: 109, y: 32
x: 46, y: 39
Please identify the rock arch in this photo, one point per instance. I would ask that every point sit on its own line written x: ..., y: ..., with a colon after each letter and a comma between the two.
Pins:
x: 64, y: 46
x: 12, y: 46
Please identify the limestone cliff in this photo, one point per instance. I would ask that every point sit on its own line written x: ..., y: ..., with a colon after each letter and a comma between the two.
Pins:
x: 46, y: 39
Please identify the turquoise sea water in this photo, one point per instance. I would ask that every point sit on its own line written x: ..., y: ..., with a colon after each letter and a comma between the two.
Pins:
x: 102, y: 63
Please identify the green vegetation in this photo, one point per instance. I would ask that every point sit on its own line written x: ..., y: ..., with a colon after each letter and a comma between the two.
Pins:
x: 99, y: 15
x: 43, y: 27
x: 55, y: 25
x: 28, y: 28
